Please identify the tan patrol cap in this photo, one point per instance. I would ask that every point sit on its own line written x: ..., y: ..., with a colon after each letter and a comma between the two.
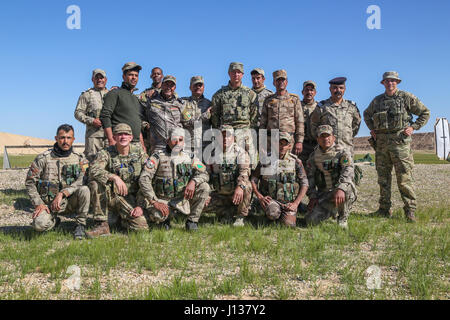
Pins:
x: 197, y: 79
x: 279, y: 74
x: 131, y: 65
x: 122, y: 128
x: 309, y: 83
x: 391, y: 75
x: 170, y: 78
x: 286, y: 136
x: 176, y: 132
x: 236, y: 66
x: 324, y: 129
x: 99, y: 71
x: 259, y: 71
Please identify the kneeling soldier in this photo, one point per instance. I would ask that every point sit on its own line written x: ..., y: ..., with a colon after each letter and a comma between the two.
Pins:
x: 230, y: 179
x: 173, y: 181
x: 114, y: 183
x: 332, y: 189
x: 54, y: 184
x: 283, y: 184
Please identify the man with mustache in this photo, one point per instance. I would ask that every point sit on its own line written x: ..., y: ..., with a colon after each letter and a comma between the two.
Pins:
x: 88, y: 110
x: 258, y: 78
x: 330, y: 174
x: 390, y: 120
x: 341, y: 114
x: 173, y: 181
x: 308, y: 106
x: 114, y: 176
x: 54, y: 184
x: 122, y: 106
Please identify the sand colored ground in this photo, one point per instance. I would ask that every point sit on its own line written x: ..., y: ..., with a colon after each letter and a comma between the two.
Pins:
x: 9, y: 139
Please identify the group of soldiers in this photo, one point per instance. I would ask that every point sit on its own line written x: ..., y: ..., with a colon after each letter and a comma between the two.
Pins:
x: 145, y: 154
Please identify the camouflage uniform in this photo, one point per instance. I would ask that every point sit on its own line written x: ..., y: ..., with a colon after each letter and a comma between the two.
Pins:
x: 309, y: 142
x: 88, y: 109
x: 165, y: 178
x: 283, y: 112
x: 238, y: 108
x: 162, y: 115
x: 143, y: 99
x: 281, y: 181
x: 196, y: 110
x: 344, y: 118
x: 225, y: 177
x: 328, y: 171
x: 48, y: 175
x: 388, y: 117
x: 107, y: 163
x: 262, y: 94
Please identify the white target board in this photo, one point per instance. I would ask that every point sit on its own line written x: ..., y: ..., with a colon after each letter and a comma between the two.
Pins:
x: 442, y: 136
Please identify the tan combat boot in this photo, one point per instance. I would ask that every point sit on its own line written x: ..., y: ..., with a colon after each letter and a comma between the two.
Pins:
x: 410, y: 216
x: 101, y: 229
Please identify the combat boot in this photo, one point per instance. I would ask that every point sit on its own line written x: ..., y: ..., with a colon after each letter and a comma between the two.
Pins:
x: 238, y: 222
x: 410, y: 216
x: 166, y: 225
x: 79, y: 232
x: 343, y: 224
x: 384, y: 213
x: 102, y: 228
x: 191, y: 226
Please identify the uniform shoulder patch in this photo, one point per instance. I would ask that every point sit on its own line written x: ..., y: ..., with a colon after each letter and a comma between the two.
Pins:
x: 198, y: 165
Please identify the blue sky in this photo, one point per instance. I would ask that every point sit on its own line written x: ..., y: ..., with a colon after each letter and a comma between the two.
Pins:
x: 46, y: 66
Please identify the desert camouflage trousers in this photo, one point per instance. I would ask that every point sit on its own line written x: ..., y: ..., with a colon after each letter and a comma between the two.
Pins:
x: 78, y: 202
x: 111, y: 208
x: 326, y: 208
x: 222, y: 205
x: 94, y: 145
x: 191, y: 208
x: 394, y: 150
x: 244, y: 139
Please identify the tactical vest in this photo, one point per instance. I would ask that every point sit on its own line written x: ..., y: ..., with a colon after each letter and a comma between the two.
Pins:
x: 59, y: 174
x: 328, y: 170
x: 391, y: 114
x: 281, y: 186
x: 236, y: 107
x: 128, y: 168
x: 172, y: 176
x: 224, y: 181
x: 94, y: 103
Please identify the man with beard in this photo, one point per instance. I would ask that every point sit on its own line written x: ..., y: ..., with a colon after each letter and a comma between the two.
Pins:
x: 173, y: 181
x: 341, y: 114
x: 122, y: 106
x: 54, y: 184
x: 88, y: 110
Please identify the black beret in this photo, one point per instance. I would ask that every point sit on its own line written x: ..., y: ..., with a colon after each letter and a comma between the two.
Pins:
x: 339, y: 80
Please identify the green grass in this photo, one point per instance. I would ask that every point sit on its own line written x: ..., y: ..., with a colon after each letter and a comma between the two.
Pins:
x: 419, y: 158
x: 23, y: 161
x: 220, y: 261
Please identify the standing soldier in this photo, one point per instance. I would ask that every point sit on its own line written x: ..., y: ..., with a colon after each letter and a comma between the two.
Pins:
x: 258, y: 78
x: 88, y: 112
x: 54, y: 184
x: 231, y: 180
x: 308, y: 105
x: 196, y: 114
x: 283, y: 111
x: 114, y: 185
x: 163, y: 114
x: 122, y: 106
x: 283, y: 184
x: 342, y: 115
x: 389, y: 118
x: 173, y: 181
x: 235, y: 105
x: 330, y: 174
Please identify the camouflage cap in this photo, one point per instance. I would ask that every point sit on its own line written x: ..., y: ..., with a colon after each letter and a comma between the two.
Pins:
x: 236, y: 66
x: 273, y: 210
x: 131, y: 65
x: 279, y: 74
x: 286, y: 136
x: 338, y: 80
x: 176, y: 132
x: 324, y: 129
x: 170, y: 78
x: 122, y: 128
x: 391, y: 75
x: 259, y: 71
x: 227, y: 127
x: 99, y: 71
x: 309, y: 83
x: 197, y: 79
